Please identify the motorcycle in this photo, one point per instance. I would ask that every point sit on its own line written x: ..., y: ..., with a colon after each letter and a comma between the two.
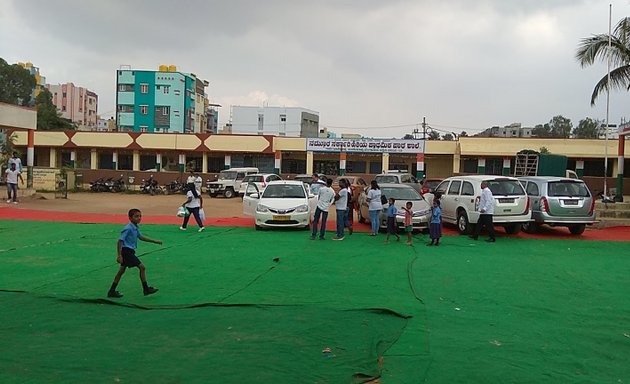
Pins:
x: 98, y: 185
x: 118, y: 185
x: 150, y: 186
x: 175, y: 186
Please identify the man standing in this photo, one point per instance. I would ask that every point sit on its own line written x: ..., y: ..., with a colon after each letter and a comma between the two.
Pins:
x: 341, y: 206
x: 486, y: 210
x: 316, y: 184
x: 12, y: 178
x: 324, y: 200
x: 17, y: 161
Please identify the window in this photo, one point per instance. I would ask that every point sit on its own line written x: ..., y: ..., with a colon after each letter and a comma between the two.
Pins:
x: 63, y: 108
x: 144, y: 109
x: 454, y: 187
x: 125, y: 87
x: 166, y: 89
x: 144, y: 88
x: 467, y: 189
x: 144, y: 128
x: 63, y: 95
x: 125, y: 108
x: 166, y: 110
x: 177, y: 92
x: 283, y: 118
x: 532, y: 189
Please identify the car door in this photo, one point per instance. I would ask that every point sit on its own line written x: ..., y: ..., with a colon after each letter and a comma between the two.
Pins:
x: 532, y: 190
x: 451, y: 200
x: 441, y: 190
x: 250, y: 199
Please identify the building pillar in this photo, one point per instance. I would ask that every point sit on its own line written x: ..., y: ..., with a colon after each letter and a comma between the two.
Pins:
x: 158, y: 162
x: 385, y: 162
x: 620, y: 159
x: 115, y: 160
x: 277, y: 165
x: 30, y: 157
x: 342, y: 163
x: 579, y: 168
x: 93, y: 159
x: 204, y: 162
x: 182, y: 163
x: 52, y: 157
x: 228, y: 162
x: 506, y: 166
x: 309, y: 162
x: 420, y: 173
x: 73, y: 159
x: 481, y: 166
x: 136, y: 160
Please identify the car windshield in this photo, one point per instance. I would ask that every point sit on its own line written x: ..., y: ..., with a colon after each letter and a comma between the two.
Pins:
x: 506, y: 187
x: 284, y: 191
x: 401, y: 193
x: 350, y: 179
x: 227, y: 175
x: 386, y: 179
x: 568, y: 188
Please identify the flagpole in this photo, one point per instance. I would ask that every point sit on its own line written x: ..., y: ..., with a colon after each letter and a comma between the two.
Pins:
x: 607, y: 100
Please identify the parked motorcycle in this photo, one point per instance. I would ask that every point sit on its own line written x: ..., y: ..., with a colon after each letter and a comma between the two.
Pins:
x: 118, y: 185
x: 98, y: 185
x: 175, y: 186
x: 150, y: 186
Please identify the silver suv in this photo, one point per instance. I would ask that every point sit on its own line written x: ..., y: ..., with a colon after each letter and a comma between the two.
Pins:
x: 460, y: 201
x: 560, y: 202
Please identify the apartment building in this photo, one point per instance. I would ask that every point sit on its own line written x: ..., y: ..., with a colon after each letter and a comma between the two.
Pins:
x: 278, y: 121
x: 77, y: 104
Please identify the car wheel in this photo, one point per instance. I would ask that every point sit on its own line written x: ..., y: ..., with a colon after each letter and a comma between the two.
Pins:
x: 463, y: 225
x: 229, y: 193
x: 530, y: 227
x: 577, y: 229
x: 258, y: 228
x: 512, y: 229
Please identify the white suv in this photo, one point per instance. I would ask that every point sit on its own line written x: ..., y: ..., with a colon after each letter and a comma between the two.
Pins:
x: 460, y: 200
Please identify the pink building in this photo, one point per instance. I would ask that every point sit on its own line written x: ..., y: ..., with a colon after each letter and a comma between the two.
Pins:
x: 77, y: 104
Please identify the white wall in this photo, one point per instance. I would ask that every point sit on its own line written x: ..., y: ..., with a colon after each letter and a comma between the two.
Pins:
x: 245, y: 120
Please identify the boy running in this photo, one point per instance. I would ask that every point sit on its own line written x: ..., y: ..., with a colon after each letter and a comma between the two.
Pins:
x: 127, y: 243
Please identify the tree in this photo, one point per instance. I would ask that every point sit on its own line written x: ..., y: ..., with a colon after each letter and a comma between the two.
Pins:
x: 16, y: 84
x: 587, y: 129
x: 596, y: 48
x: 447, y: 137
x: 408, y: 136
x: 463, y: 134
x: 560, y: 126
x: 48, y: 118
x: 433, y: 135
x: 542, y: 130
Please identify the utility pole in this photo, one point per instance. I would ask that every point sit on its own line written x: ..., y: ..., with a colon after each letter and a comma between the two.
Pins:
x: 424, y: 128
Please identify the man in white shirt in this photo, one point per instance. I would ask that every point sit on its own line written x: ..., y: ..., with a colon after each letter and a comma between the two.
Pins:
x: 15, y: 160
x: 194, y: 178
x: 325, y: 198
x: 12, y: 175
x: 486, y: 210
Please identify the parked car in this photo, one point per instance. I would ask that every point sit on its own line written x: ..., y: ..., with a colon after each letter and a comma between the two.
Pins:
x: 283, y: 204
x: 229, y: 181
x: 357, y: 185
x: 559, y: 202
x: 402, y: 193
x: 260, y: 179
x: 398, y: 177
x: 460, y: 200
x: 429, y: 185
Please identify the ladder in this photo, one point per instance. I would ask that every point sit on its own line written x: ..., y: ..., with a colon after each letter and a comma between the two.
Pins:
x: 526, y: 164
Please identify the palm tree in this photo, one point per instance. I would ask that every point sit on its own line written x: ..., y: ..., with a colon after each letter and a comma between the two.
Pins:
x: 596, y: 47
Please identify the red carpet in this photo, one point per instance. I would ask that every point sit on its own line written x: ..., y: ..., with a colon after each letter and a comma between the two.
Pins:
x: 610, y: 234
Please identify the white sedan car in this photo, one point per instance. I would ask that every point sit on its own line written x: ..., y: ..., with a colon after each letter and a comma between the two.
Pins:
x: 283, y: 204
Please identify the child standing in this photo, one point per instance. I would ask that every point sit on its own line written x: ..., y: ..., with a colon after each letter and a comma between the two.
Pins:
x: 391, y: 220
x: 435, y: 224
x: 408, y: 225
x: 127, y: 243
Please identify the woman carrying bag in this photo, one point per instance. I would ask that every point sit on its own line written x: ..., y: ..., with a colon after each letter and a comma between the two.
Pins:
x: 194, y: 204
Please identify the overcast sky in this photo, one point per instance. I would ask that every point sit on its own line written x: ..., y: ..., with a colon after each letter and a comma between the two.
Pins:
x: 369, y: 67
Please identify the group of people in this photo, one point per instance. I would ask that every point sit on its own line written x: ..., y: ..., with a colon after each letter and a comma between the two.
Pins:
x: 343, y: 200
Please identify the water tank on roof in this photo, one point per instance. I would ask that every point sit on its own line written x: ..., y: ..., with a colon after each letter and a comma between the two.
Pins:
x: 163, y: 68
x: 172, y: 68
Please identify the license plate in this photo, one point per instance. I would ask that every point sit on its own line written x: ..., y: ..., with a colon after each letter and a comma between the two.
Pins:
x: 506, y: 201
x: 570, y: 202
x: 282, y: 218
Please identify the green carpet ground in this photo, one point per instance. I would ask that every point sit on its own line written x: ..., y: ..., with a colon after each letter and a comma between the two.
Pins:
x: 518, y: 311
